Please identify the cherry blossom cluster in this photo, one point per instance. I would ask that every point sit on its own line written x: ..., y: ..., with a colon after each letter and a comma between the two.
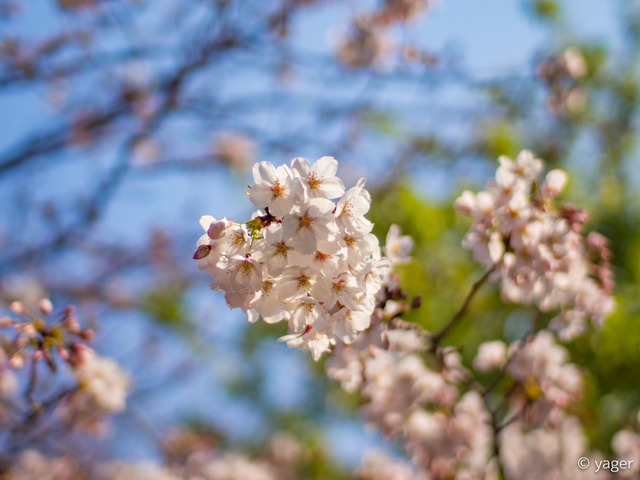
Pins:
x: 441, y: 414
x: 38, y: 339
x: 447, y: 432
x: 100, y: 386
x: 367, y: 43
x: 281, y: 460
x: 550, y: 450
x: 544, y: 378
x: 562, y: 74
x: 536, y: 245
x: 433, y: 406
x: 626, y: 445
x: 307, y: 257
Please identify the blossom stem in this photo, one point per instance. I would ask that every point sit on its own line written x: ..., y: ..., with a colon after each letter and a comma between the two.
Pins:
x: 436, y: 338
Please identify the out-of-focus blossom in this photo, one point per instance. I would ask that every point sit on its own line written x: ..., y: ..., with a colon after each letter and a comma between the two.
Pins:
x: 491, y: 355
x: 377, y: 465
x: 546, y: 378
x: 537, y: 249
x: 235, y: 150
x: 550, y: 451
x: 102, y: 383
x: 562, y: 73
x: 626, y: 446
x: 236, y: 466
x: 366, y: 44
x: 135, y: 471
x: 398, y: 247
x: 32, y: 465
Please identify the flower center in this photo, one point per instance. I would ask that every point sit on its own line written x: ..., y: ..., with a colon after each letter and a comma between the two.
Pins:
x: 277, y: 189
x: 246, y: 268
x: 306, y: 221
x: 314, y: 182
x: 304, y: 282
x: 281, y: 249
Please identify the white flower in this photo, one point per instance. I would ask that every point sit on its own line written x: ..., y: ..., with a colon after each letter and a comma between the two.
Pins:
x: 235, y: 466
x: 360, y: 249
x: 310, y: 339
x: 244, y: 273
x: 319, y: 179
x: 311, y: 227
x: 352, y: 207
x: 272, y: 188
x: 540, y: 255
x: 398, y: 247
x: 346, y: 323
x: 306, y: 312
x: 275, y: 250
x: 307, y: 259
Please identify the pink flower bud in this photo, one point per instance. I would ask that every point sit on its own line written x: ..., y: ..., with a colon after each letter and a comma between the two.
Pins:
x: 16, y: 361
x: 87, y: 334
x: 64, y: 354
x: 18, y: 308
x: 29, y: 330
x: 72, y: 324
x: 202, y: 252
x: 217, y: 228
x: 46, y: 307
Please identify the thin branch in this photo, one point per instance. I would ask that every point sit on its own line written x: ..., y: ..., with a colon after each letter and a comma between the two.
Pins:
x: 457, y: 317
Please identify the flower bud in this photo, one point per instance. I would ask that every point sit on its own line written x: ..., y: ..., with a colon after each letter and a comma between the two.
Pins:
x: 202, y: 252
x: 18, y: 308
x: 46, y: 307
x: 16, y: 361
x: 217, y: 228
x: 87, y: 334
x: 29, y: 330
x: 63, y: 353
x: 72, y: 325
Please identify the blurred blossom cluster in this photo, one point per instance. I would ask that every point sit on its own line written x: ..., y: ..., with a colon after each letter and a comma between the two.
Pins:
x: 626, y: 445
x: 235, y: 150
x: 282, y: 458
x: 447, y: 432
x: 368, y: 42
x: 31, y: 347
x: 35, y: 339
x: 562, y: 74
x: 536, y: 245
